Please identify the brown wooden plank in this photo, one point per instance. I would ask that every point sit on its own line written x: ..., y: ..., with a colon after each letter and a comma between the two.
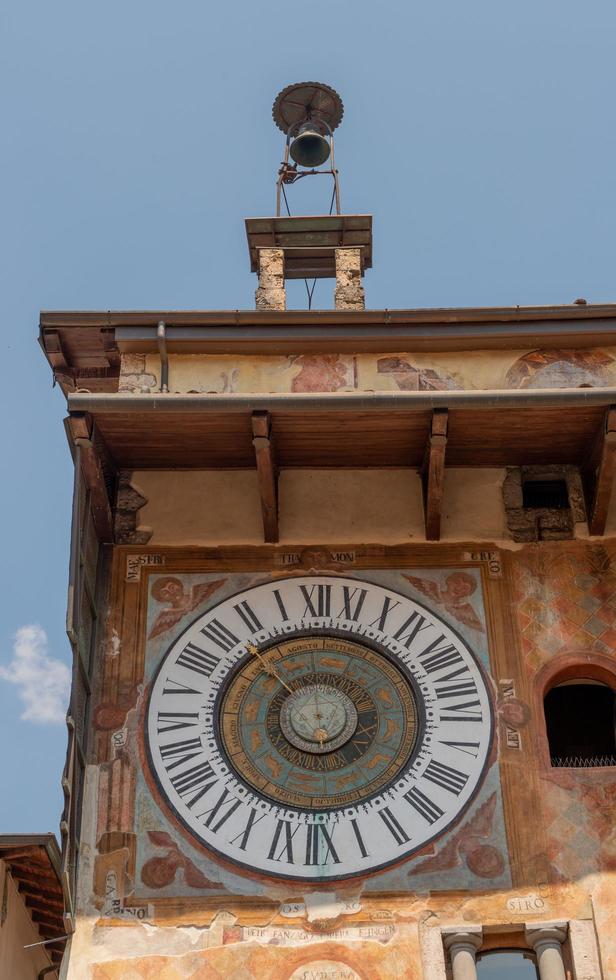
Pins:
x: 267, y: 474
x: 599, y: 472
x: 521, y: 436
x: 80, y: 427
x: 433, y: 475
x: 42, y: 900
x: 359, y: 439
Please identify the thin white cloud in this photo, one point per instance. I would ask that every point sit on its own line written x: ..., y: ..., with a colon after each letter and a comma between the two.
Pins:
x: 42, y: 683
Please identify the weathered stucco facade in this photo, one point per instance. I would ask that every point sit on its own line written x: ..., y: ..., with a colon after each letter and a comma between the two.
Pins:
x: 534, y: 849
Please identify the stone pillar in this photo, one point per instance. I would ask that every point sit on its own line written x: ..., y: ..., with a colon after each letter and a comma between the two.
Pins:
x: 349, y: 293
x: 462, y: 943
x: 546, y: 938
x: 270, y: 294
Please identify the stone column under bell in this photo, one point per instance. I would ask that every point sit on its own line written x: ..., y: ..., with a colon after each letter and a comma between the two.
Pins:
x: 462, y: 945
x: 546, y: 938
x: 349, y: 292
x: 270, y: 294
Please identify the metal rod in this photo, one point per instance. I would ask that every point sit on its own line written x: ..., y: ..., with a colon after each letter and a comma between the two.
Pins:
x: 161, y: 337
x: 47, y: 942
x: 389, y: 401
x: 335, y: 173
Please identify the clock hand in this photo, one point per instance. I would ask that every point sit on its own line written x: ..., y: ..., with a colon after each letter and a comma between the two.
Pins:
x: 267, y: 667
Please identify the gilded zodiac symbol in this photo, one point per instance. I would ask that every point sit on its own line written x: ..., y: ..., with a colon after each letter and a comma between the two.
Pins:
x: 343, y: 781
x: 255, y: 740
x: 251, y: 711
x: 332, y: 662
x: 274, y: 767
x: 374, y: 761
x: 290, y: 668
x: 391, y: 728
x: 384, y: 696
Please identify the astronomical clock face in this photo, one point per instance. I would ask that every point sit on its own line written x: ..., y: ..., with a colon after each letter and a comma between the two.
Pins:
x: 318, y: 727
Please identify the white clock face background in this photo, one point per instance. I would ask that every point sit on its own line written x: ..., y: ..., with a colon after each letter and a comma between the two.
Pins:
x: 318, y: 727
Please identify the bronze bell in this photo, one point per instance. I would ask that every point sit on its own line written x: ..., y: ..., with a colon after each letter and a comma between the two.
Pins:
x: 309, y: 148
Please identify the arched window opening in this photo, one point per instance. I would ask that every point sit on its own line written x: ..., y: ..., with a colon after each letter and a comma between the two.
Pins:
x: 580, y: 717
x: 507, y: 964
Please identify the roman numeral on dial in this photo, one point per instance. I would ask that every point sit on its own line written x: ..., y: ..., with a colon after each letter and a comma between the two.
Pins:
x: 195, y: 781
x: 227, y: 806
x: 425, y: 806
x: 244, y: 836
x: 195, y: 658
x: 318, y: 601
x: 180, y: 752
x: 353, y: 600
x: 394, y: 826
x: 319, y: 845
x: 249, y: 616
x: 283, y: 850
x: 221, y: 635
x: 438, y: 655
x: 447, y: 777
x: 172, y: 721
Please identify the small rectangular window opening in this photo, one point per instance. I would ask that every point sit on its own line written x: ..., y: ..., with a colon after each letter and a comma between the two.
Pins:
x: 545, y: 493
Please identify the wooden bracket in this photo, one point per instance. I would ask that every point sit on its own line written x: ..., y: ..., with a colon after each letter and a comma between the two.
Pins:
x: 81, y: 427
x: 267, y: 474
x: 599, y: 471
x: 433, y: 473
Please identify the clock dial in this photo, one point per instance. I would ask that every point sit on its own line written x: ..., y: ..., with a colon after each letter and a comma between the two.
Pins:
x: 318, y: 727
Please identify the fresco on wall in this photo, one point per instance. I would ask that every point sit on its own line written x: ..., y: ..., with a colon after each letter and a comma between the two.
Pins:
x: 565, y: 602
x: 322, y: 372
x: 143, y: 870
x: 561, y: 369
x: 410, y: 378
x: 169, y: 863
x: 403, y: 371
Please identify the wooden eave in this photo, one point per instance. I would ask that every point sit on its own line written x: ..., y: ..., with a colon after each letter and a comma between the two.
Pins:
x: 84, y: 348
x: 502, y: 428
x: 34, y: 865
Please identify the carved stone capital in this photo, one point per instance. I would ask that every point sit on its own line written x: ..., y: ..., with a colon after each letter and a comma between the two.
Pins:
x: 545, y: 933
x: 547, y: 938
x: 470, y: 935
x: 462, y: 943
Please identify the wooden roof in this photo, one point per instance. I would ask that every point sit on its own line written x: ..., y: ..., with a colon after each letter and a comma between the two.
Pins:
x: 309, y: 243
x: 84, y: 348
x: 391, y: 430
x: 34, y: 864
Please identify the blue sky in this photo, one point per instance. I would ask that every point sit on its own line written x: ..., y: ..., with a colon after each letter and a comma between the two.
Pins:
x: 136, y: 136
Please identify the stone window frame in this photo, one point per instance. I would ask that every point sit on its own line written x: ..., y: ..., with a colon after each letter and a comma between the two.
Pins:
x: 527, y: 524
x: 563, y: 947
x: 568, y: 667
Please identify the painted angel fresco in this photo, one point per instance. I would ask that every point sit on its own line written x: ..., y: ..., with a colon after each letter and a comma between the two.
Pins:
x: 170, y: 591
x: 453, y: 596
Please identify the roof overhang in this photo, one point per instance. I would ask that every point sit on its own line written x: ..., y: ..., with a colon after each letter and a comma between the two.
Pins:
x: 84, y: 348
x: 348, y: 429
x: 34, y: 863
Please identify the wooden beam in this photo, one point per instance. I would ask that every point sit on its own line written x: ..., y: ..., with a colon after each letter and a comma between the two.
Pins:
x: 267, y: 474
x: 38, y: 904
x: 433, y: 473
x: 81, y: 428
x: 599, y: 473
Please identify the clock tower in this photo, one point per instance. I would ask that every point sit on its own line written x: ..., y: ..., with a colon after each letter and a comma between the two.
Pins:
x: 342, y: 602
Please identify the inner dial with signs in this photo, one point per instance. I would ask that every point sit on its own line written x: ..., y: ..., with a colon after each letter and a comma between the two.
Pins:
x: 318, y: 726
x: 318, y: 721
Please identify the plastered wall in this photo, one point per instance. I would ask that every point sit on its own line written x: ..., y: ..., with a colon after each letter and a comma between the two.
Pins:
x: 203, y: 373
x: 153, y: 905
x: 357, y: 506
x: 17, y: 931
